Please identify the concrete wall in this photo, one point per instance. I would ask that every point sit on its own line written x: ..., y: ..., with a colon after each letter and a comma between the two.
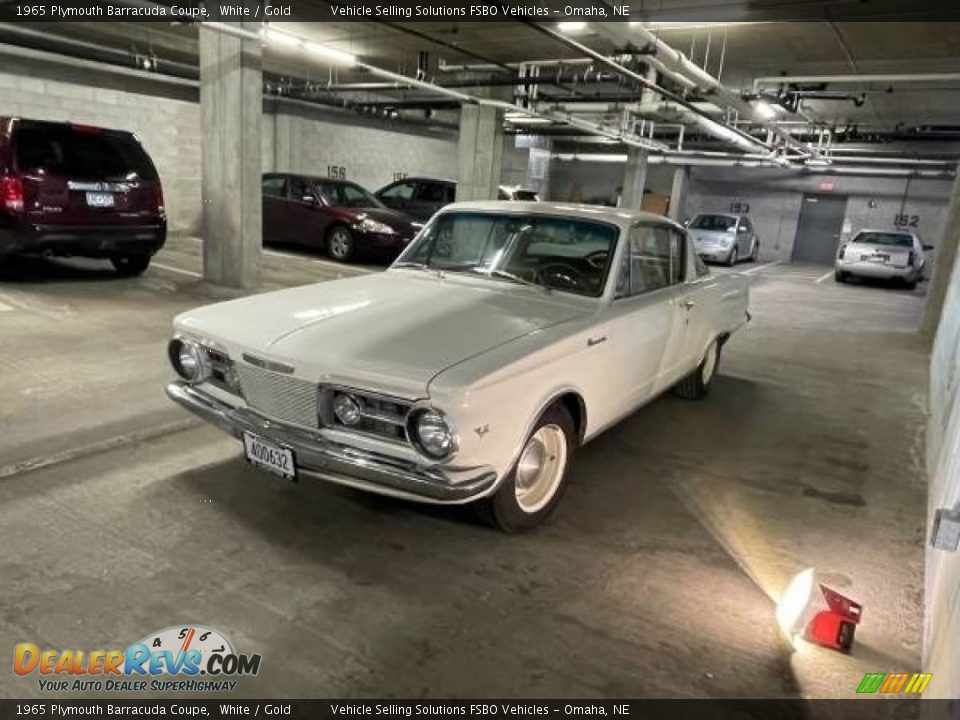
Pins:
x: 942, y: 587
x: 304, y: 139
x: 599, y: 182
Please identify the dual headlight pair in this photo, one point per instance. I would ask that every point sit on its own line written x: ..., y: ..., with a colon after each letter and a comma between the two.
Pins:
x: 428, y: 429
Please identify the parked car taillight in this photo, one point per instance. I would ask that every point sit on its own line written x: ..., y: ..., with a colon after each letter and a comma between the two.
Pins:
x: 910, y: 258
x: 159, y: 199
x: 843, y: 249
x: 11, y: 193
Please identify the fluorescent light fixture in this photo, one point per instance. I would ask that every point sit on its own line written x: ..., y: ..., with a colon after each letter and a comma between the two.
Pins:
x: 818, y: 162
x: 329, y: 52
x: 571, y: 27
x: 278, y: 37
x: 764, y: 110
x: 523, y: 119
x: 592, y: 157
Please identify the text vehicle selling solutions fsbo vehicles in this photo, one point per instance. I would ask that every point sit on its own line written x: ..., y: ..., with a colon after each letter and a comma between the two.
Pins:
x: 504, y: 337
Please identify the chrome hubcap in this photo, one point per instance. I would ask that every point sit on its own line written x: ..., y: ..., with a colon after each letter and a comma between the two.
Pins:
x: 339, y: 244
x: 709, y: 363
x: 540, y: 468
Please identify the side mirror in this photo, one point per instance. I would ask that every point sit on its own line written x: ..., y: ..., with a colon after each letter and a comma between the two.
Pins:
x: 927, y: 247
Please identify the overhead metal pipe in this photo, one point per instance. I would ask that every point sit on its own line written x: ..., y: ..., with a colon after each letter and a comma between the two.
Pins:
x: 854, y: 79
x: 677, y: 64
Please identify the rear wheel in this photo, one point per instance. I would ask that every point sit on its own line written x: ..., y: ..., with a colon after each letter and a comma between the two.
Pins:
x: 130, y: 265
x: 532, y: 491
x: 340, y: 243
x: 840, y: 276
x: 697, y: 384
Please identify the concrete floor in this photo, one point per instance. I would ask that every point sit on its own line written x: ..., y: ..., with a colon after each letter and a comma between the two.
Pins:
x: 120, y: 515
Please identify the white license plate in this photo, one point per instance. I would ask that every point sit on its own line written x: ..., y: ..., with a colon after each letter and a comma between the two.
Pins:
x: 268, y: 456
x: 100, y: 200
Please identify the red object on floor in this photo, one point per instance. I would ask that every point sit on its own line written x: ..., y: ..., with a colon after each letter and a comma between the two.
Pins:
x: 835, y: 628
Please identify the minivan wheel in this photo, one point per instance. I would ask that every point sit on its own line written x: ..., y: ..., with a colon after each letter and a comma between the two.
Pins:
x: 130, y: 265
x: 340, y: 243
x: 532, y: 490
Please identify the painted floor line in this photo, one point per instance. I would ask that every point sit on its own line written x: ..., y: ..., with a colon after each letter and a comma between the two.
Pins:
x: 825, y: 276
x: 170, y: 268
x: 758, y: 268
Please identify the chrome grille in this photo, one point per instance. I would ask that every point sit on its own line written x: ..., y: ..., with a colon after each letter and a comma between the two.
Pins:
x: 278, y: 396
x: 381, y: 416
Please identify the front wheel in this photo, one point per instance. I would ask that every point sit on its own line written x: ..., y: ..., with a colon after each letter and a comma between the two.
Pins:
x: 697, y: 384
x: 532, y: 490
x: 340, y: 244
x: 130, y: 265
x: 733, y: 256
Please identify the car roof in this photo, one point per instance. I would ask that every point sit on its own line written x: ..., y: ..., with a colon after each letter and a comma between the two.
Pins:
x: 618, y: 216
x: 885, y: 231
x: 312, y: 178
x: 418, y: 178
x: 30, y: 122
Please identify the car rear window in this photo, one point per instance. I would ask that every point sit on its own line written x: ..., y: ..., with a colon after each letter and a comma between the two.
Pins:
x: 81, y: 153
x: 886, y: 239
x: 713, y: 222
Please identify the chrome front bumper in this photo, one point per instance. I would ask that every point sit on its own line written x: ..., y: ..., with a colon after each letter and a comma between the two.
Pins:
x: 317, y: 456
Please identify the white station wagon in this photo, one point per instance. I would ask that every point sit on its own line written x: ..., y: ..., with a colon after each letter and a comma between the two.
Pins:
x: 507, y: 335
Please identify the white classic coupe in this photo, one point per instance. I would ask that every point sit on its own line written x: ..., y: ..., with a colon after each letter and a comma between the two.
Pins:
x: 505, y: 336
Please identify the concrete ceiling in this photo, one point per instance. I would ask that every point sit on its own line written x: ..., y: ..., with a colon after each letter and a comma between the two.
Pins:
x: 737, y: 52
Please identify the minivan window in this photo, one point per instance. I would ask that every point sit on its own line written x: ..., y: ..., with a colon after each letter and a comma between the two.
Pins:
x: 81, y: 153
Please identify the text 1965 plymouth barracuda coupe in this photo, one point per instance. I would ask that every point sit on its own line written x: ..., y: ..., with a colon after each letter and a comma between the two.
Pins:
x: 504, y: 337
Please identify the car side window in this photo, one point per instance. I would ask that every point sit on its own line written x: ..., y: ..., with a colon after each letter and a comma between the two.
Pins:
x: 400, y: 191
x: 654, y: 260
x: 299, y: 189
x: 275, y: 187
x: 432, y: 192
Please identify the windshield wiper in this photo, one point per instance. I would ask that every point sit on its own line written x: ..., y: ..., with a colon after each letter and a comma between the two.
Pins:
x: 506, y: 275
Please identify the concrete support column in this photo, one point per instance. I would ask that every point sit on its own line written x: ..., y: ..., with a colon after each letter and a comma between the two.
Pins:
x: 678, y: 193
x: 634, y: 179
x: 946, y: 258
x: 230, y: 116
x: 481, y: 152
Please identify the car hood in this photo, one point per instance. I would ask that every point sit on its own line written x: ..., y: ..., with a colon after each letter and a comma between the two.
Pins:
x: 391, y: 332
x: 711, y: 236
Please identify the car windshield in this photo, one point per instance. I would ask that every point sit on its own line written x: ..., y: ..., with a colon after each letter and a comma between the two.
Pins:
x: 340, y: 194
x: 561, y: 253
x: 713, y: 222
x: 886, y: 239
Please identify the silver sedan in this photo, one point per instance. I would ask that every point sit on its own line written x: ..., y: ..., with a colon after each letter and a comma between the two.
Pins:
x: 882, y: 254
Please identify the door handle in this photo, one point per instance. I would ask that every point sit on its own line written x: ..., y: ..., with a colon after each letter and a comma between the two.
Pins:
x: 689, y: 304
x: 596, y: 341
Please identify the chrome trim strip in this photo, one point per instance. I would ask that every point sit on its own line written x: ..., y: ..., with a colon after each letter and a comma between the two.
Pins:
x: 271, y: 365
x: 339, y: 463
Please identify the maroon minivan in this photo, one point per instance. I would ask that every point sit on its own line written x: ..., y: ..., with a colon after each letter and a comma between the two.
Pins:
x: 68, y: 189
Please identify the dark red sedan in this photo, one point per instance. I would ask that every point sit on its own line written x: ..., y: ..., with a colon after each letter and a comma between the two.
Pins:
x: 337, y: 216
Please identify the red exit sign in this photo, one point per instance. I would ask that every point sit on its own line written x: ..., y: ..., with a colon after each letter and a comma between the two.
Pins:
x: 826, y: 186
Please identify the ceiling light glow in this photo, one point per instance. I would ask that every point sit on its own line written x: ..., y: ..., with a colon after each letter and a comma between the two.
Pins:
x: 764, y: 110
x: 331, y: 53
x: 571, y: 27
x: 278, y: 37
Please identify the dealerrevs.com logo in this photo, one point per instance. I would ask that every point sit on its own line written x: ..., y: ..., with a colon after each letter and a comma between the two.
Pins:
x: 191, y: 658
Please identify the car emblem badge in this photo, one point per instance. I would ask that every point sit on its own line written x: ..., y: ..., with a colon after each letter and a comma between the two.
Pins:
x: 481, y: 430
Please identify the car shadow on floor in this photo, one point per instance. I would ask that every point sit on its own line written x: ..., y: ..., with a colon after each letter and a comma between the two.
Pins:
x: 37, y: 270
x: 607, y: 600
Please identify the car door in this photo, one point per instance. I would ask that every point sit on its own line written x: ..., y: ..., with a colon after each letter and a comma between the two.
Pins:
x: 274, y: 192
x: 699, y: 312
x: 304, y: 214
x: 646, y: 320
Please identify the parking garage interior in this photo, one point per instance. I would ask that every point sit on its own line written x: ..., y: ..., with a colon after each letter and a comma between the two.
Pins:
x: 830, y: 439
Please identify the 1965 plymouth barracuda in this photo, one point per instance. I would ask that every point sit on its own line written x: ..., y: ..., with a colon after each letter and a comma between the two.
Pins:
x: 507, y: 335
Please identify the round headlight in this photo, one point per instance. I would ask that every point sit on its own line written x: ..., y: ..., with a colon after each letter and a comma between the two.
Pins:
x: 189, y: 360
x: 434, y: 435
x: 347, y: 409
